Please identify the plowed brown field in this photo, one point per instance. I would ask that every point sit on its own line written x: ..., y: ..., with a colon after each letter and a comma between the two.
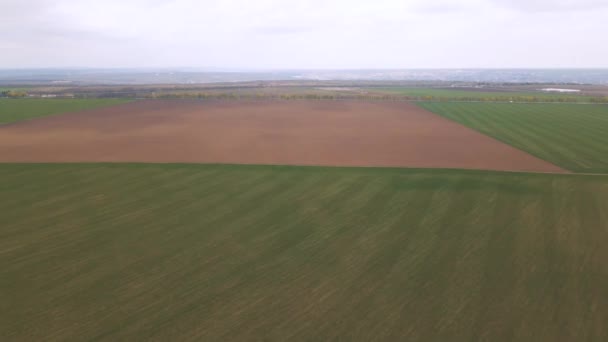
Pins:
x: 333, y: 133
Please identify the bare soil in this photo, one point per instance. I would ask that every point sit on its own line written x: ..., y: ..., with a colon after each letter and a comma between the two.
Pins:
x: 332, y: 133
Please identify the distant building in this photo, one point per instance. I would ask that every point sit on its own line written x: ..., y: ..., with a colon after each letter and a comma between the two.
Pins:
x: 560, y: 90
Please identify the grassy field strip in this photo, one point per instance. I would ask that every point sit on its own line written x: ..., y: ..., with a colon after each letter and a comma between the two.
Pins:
x: 13, y: 110
x: 531, y: 136
x: 567, y: 135
x: 469, y: 95
x: 219, y: 252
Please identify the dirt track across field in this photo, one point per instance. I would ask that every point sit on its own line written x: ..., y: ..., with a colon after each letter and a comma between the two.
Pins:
x: 333, y: 133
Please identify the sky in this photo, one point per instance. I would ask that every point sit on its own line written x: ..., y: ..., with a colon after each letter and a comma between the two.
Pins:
x: 307, y: 34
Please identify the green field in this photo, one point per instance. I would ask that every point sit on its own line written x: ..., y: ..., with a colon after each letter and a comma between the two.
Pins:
x: 572, y: 136
x: 12, y: 110
x: 459, y: 94
x: 13, y: 88
x: 194, y: 252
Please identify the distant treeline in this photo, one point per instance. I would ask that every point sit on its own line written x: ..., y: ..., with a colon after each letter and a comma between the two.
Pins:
x: 310, y: 96
x: 13, y: 93
x: 375, y: 97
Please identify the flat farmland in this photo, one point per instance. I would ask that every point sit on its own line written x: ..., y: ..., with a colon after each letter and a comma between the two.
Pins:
x: 572, y: 136
x: 13, y: 110
x: 329, y: 133
x: 456, y: 94
x: 211, y: 252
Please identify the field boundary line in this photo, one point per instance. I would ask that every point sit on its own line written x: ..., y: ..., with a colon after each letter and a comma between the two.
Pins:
x: 304, y: 166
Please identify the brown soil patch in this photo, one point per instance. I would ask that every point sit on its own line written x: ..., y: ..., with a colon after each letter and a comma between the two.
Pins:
x: 335, y: 133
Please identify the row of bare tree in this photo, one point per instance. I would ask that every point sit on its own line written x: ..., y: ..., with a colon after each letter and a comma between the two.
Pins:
x: 374, y: 97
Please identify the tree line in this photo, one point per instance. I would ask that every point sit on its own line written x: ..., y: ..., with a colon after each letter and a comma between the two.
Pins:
x: 374, y: 97
x: 322, y: 96
x: 13, y: 93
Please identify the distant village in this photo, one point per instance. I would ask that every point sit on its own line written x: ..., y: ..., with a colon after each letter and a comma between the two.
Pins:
x: 22, y: 94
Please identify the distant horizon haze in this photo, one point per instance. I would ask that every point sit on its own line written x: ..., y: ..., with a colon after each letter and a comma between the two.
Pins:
x: 79, y: 76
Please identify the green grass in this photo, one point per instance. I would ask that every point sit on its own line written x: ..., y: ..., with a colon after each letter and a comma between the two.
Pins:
x: 13, y: 88
x: 13, y: 110
x: 195, y: 252
x: 456, y: 94
x: 572, y: 136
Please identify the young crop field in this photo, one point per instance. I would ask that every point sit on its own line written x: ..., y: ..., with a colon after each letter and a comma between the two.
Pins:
x: 13, y: 89
x: 215, y: 252
x: 568, y: 135
x: 459, y: 94
x: 12, y: 110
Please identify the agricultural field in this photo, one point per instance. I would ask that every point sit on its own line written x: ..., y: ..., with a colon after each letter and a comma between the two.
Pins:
x: 217, y: 252
x: 12, y: 88
x: 329, y: 133
x: 13, y: 110
x: 174, y: 251
x: 480, y: 95
x: 568, y: 135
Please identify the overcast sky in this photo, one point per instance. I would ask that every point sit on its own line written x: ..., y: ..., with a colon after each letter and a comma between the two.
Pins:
x: 279, y: 34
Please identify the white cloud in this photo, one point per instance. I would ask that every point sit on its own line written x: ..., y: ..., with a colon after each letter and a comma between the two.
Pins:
x: 553, y: 5
x: 303, y: 34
